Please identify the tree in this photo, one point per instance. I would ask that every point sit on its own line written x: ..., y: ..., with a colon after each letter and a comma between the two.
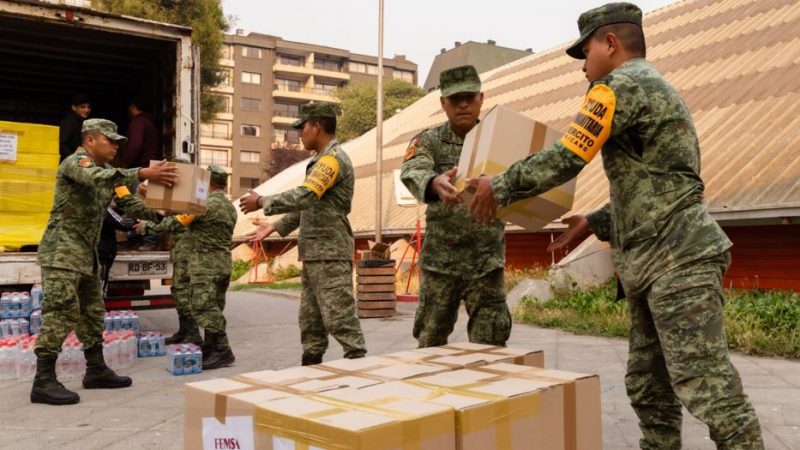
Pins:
x: 282, y: 158
x: 358, y: 102
x: 208, y: 24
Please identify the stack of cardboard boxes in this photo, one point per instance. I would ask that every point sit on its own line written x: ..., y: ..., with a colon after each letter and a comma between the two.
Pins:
x: 28, y: 165
x: 458, y: 396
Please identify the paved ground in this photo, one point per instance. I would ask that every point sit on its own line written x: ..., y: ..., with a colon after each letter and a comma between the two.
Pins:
x: 264, y: 335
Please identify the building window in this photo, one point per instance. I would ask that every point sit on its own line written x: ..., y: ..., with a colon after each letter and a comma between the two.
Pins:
x: 251, y: 52
x: 289, y: 60
x: 286, y: 136
x: 227, y: 52
x: 225, y: 80
x: 251, y: 130
x: 246, y: 156
x: 325, y: 89
x: 210, y: 156
x: 248, y: 183
x: 326, y: 64
x: 226, y: 103
x: 251, y: 104
x: 215, y: 130
x: 286, y: 110
x: 358, y: 67
x: 287, y: 85
x: 251, y: 78
x: 403, y: 75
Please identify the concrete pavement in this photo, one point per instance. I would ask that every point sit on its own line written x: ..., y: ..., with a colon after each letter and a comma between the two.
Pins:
x: 264, y: 334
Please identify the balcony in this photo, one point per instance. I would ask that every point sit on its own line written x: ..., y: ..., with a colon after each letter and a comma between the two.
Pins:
x: 331, y: 71
x: 303, y: 93
x: 216, y: 141
x: 283, y: 120
x: 290, y: 145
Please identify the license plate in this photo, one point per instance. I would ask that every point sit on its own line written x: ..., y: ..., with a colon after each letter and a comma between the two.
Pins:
x: 147, y: 268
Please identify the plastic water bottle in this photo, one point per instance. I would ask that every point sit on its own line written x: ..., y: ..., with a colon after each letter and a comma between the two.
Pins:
x: 6, y: 361
x: 198, y: 359
x: 25, y: 304
x: 26, y: 365
x: 175, y: 360
x: 5, y: 305
x: 36, y: 321
x: 144, y: 345
x: 13, y: 306
x: 36, y: 297
x: 24, y: 327
x: 159, y: 345
x: 135, y: 322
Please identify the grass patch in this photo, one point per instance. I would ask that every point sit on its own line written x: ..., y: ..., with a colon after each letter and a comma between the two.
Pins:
x: 238, y: 269
x: 514, y: 276
x: 763, y: 323
x: 249, y: 286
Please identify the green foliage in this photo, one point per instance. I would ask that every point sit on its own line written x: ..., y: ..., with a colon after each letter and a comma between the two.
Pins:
x: 239, y: 269
x: 285, y: 273
x: 756, y: 322
x: 359, y: 100
x: 514, y: 276
x: 276, y: 286
x: 208, y: 24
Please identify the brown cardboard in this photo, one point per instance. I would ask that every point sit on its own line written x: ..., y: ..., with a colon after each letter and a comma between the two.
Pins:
x: 303, y: 422
x: 188, y: 195
x: 502, y: 138
x: 583, y: 426
x: 522, y: 356
x: 475, y: 359
x: 403, y: 371
x: 470, y: 347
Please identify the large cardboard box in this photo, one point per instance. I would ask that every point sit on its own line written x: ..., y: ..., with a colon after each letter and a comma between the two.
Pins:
x: 582, y: 414
x: 502, y: 138
x: 188, y: 195
x: 313, y: 422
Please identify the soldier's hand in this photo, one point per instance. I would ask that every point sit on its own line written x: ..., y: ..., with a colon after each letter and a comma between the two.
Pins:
x: 161, y: 172
x: 138, y: 227
x: 260, y: 233
x: 577, y: 227
x: 250, y: 202
x: 141, y: 190
x: 484, y: 205
x: 443, y: 187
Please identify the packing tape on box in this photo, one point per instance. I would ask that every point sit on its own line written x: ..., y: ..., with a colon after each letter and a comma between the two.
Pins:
x: 502, y: 412
x: 307, y: 432
x: 570, y: 400
x: 221, y: 398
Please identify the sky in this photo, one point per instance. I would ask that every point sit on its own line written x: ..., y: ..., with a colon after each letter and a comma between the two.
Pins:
x: 418, y: 29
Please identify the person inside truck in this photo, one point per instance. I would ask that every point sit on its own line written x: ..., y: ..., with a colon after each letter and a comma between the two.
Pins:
x: 69, y: 132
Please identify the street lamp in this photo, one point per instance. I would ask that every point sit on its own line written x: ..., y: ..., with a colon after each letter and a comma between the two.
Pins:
x: 379, y: 129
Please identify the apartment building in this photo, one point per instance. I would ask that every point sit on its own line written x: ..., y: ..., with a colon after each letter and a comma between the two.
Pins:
x: 266, y: 80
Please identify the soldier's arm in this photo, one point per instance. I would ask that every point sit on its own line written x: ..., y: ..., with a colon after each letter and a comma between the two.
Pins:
x: 170, y: 224
x: 322, y: 177
x: 288, y: 223
x: 600, y: 222
x: 133, y: 205
x: 599, y: 118
x: 416, y: 171
x: 84, y: 171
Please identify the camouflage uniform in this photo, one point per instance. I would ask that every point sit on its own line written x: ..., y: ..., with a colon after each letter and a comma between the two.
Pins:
x: 669, y: 253
x: 460, y: 258
x: 73, y: 297
x: 179, y: 255
x: 325, y: 246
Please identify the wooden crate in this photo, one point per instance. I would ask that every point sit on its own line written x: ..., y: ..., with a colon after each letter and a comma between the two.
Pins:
x: 372, y: 296
x: 376, y: 287
x: 372, y: 271
x: 377, y: 305
x: 375, y: 313
x: 375, y: 279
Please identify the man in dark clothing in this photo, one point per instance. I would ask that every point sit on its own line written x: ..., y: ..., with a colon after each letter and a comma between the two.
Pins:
x: 107, y: 246
x: 70, y: 129
x: 144, y: 143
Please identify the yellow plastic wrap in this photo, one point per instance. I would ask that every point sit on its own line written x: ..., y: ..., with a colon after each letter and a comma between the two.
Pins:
x: 27, y: 182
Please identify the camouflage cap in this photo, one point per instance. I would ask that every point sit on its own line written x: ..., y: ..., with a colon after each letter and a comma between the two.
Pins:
x: 459, y: 79
x: 595, y: 18
x: 104, y: 126
x: 219, y: 176
x: 316, y: 109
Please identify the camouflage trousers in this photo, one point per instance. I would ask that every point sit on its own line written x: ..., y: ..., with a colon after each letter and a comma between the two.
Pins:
x: 679, y: 355
x: 440, y: 296
x: 327, y: 307
x: 181, y: 288
x: 207, y: 300
x: 72, y: 301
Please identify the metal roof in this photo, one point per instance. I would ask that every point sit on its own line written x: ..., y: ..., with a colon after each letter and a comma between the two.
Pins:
x: 736, y: 64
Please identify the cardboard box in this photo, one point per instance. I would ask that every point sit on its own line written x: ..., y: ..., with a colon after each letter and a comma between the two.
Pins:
x: 475, y: 359
x: 404, y: 371
x: 357, y: 365
x: 189, y: 195
x: 313, y: 422
x: 502, y: 138
x: 521, y: 356
x: 582, y: 414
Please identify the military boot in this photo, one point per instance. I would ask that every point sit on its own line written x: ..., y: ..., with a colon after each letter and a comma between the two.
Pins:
x: 310, y: 359
x: 220, y: 353
x: 46, y: 388
x: 98, y: 374
x: 192, y: 335
x: 177, y: 338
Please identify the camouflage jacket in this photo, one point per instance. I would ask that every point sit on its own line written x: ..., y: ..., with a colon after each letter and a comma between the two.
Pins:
x: 655, y: 220
x: 83, y: 192
x: 208, y: 236
x: 319, y: 207
x: 182, y: 246
x: 454, y: 244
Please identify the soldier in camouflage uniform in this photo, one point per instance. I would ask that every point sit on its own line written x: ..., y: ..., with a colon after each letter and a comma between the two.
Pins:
x: 208, y: 240
x: 669, y: 253
x: 85, y: 185
x: 320, y: 208
x: 460, y: 259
